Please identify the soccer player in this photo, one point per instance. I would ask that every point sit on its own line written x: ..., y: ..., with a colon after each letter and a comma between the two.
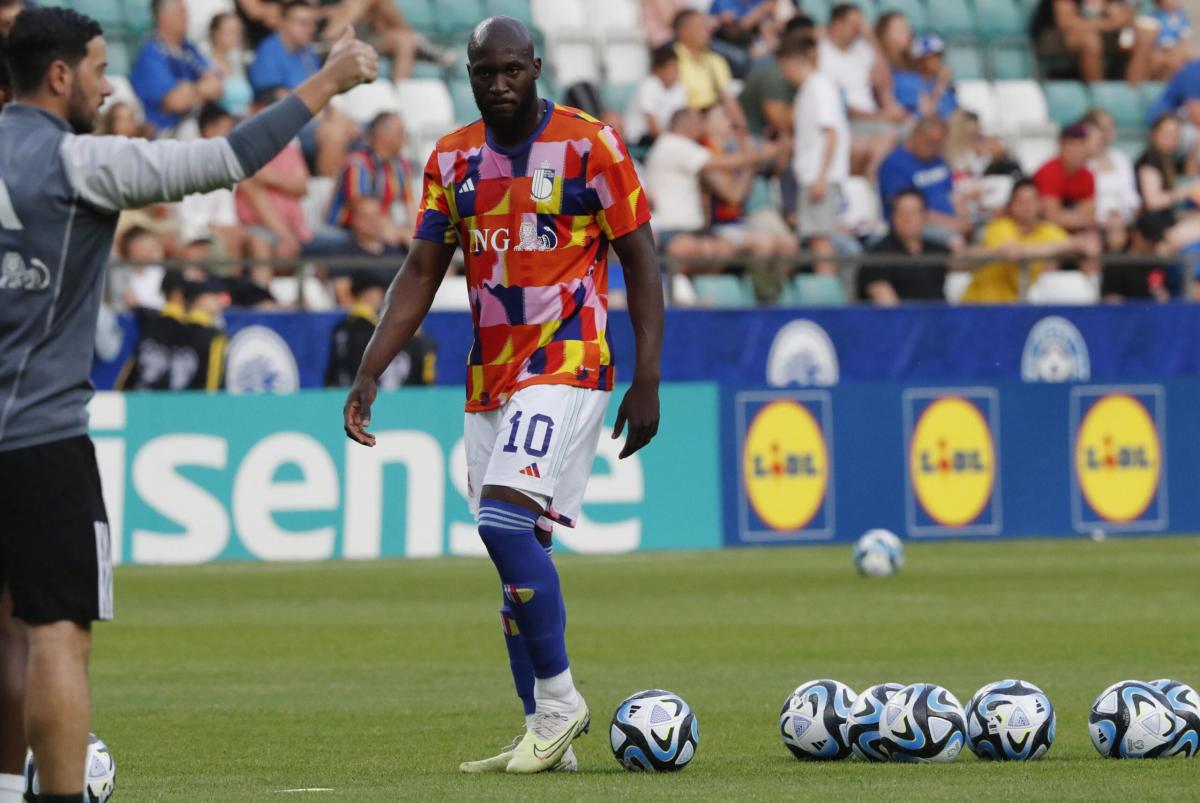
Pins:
x: 534, y: 194
x: 60, y: 193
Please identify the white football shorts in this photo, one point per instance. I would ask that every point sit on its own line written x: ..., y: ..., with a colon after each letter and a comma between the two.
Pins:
x: 542, y: 443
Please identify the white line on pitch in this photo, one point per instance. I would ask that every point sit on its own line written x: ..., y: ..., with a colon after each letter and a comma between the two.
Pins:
x: 309, y: 789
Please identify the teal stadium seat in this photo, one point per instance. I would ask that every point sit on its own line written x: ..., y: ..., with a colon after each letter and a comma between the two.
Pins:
x: 617, y: 96
x: 1122, y: 102
x: 518, y: 9
x: 915, y: 10
x: 138, y: 18
x: 1012, y: 62
x: 464, y: 101
x: 1131, y: 146
x: 723, y: 291
x: 965, y: 62
x: 953, y: 19
x: 1066, y: 100
x: 1001, y: 19
x: 55, y: 4
x: 815, y: 290
x: 108, y: 13
x: 421, y: 69
x: 119, y: 57
x: 817, y: 9
x: 419, y: 14
x: 457, y: 18
x: 1149, y: 93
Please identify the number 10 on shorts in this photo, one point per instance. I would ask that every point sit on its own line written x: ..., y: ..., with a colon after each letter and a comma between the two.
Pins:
x: 538, y: 432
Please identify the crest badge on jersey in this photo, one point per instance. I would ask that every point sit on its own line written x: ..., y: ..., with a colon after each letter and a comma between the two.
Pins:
x: 543, y: 183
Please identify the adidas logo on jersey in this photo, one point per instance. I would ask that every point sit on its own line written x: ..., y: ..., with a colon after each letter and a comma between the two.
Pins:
x: 531, y: 470
x: 467, y: 186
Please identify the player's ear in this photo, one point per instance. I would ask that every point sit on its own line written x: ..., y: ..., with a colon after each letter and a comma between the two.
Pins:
x: 537, y: 68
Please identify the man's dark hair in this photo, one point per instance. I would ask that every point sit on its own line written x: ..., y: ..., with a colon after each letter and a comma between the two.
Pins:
x: 156, y: 7
x: 42, y: 36
x: 172, y: 282
x: 910, y: 192
x: 662, y: 55
x: 377, y: 122
x: 291, y: 4
x: 800, y: 22
x: 216, y: 21
x: 841, y: 11
x: 131, y: 234
x: 801, y: 46
x: 680, y: 19
x: 1021, y: 184
x: 211, y: 113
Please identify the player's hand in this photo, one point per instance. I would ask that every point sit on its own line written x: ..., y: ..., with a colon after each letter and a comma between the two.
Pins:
x: 357, y: 412
x: 351, y: 62
x: 639, y: 409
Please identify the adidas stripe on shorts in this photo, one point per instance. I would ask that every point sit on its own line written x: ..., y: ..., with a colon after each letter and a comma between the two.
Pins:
x: 542, y: 442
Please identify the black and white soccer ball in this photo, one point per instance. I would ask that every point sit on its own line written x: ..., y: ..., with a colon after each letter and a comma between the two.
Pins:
x: 1010, y: 720
x: 923, y: 723
x: 654, y: 731
x: 99, y: 774
x: 813, y: 720
x: 862, y: 726
x: 878, y: 553
x: 1185, y: 702
x: 1132, y: 719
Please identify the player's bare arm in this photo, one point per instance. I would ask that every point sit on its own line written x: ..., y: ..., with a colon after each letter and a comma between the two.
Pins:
x: 639, y: 408
x: 405, y: 306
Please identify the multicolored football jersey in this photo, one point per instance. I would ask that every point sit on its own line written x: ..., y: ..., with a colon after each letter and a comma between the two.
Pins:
x: 534, y: 223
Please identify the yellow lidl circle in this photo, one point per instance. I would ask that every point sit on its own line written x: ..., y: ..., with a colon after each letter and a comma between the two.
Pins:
x: 952, y: 461
x: 785, y: 465
x: 1118, y: 458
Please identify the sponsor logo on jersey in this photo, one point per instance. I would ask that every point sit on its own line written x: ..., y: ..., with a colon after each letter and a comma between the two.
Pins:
x: 15, y: 274
x: 260, y: 361
x: 1055, y: 351
x: 785, y: 466
x: 952, y: 461
x: 1118, y: 457
x: 529, y: 237
x: 802, y: 354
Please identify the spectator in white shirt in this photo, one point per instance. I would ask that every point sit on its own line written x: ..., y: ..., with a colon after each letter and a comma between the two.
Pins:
x: 659, y: 95
x: 212, y: 215
x: 822, y: 147
x: 1116, y: 187
x: 848, y: 58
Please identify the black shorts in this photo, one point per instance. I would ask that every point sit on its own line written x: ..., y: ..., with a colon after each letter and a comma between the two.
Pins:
x: 55, y: 552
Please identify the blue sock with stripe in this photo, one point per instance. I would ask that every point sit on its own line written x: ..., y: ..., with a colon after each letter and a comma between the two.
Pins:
x: 530, y: 582
x: 518, y: 656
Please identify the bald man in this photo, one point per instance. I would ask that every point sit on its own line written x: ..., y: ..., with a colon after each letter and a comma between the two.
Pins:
x: 534, y: 194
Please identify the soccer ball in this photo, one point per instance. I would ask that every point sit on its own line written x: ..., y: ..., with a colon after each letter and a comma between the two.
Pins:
x: 878, y: 553
x: 862, y: 726
x: 922, y: 723
x: 1186, y: 705
x: 1010, y: 720
x: 99, y: 775
x: 654, y: 730
x: 813, y: 720
x: 1132, y: 719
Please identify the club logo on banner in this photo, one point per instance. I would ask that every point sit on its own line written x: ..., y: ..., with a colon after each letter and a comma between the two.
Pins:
x: 953, y: 461
x: 1119, y: 468
x: 785, y: 447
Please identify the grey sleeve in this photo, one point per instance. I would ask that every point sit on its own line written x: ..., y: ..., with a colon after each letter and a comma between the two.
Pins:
x: 115, y: 173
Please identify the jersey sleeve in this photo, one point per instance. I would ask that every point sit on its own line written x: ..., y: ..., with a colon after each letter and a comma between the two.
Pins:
x: 621, y: 205
x: 437, y: 214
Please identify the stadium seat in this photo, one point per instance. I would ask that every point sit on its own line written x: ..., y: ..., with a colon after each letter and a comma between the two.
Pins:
x: 1000, y: 19
x: 956, y: 285
x: 815, y: 290
x: 573, y: 62
x: 426, y: 104
x: 518, y: 9
x: 1149, y: 93
x: 616, y: 19
x: 455, y: 18
x: 979, y: 97
x: 140, y: 21
x: 862, y: 213
x: 55, y: 4
x: 561, y: 19
x: 419, y: 14
x: 315, y: 202
x: 1024, y: 108
x: 617, y: 96
x: 953, y: 19
x: 1132, y: 146
x: 1066, y: 101
x: 108, y: 13
x: 200, y: 14
x: 625, y: 62
x: 463, y: 100
x: 120, y: 58
x: 683, y: 292
x: 1033, y: 152
x: 817, y: 9
x: 722, y: 291
x: 913, y: 9
x: 452, y: 294
x: 1064, y: 287
x: 316, y: 296
x: 365, y: 101
x: 965, y: 62
x: 1012, y: 62
x: 1121, y: 100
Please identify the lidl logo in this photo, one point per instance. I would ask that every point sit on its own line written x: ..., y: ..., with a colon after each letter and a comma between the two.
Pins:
x: 952, y: 461
x: 1118, y: 458
x: 785, y: 466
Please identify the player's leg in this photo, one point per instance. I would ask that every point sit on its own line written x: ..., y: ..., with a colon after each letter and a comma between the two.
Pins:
x: 58, y: 705
x: 13, y: 651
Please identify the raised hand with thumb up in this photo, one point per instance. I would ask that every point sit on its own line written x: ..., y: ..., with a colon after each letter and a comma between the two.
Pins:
x: 350, y: 63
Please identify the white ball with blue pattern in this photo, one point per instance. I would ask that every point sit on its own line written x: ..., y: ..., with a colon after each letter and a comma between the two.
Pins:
x: 923, y: 723
x: 878, y: 553
x: 1132, y: 719
x: 99, y: 773
x: 1185, y: 702
x: 1010, y: 720
x: 654, y: 731
x: 813, y: 720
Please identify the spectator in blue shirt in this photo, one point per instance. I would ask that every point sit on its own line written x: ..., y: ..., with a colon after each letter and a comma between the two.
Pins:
x: 918, y: 164
x: 929, y: 87
x: 1181, y: 97
x: 287, y: 57
x: 170, y: 76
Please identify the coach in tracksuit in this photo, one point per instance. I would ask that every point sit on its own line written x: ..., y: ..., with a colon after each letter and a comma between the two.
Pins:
x: 60, y: 193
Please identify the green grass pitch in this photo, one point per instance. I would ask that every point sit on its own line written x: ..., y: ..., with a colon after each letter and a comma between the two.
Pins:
x: 232, y: 682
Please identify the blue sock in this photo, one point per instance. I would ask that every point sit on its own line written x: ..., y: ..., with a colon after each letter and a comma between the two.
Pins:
x: 530, y: 583
x: 518, y: 658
